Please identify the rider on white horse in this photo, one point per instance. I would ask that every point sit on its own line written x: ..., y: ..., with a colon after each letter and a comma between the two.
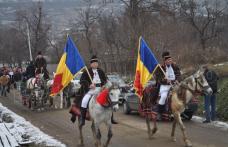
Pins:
x: 99, y: 79
x: 172, y: 75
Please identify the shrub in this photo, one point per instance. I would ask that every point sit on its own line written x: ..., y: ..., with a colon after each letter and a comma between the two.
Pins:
x: 222, y: 100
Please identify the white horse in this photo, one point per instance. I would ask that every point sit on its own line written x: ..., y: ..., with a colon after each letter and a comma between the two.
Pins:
x: 101, y: 113
x: 36, y: 86
x: 34, y: 82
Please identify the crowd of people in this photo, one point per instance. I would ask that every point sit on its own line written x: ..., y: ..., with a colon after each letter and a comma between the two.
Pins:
x: 12, y: 76
x: 9, y: 76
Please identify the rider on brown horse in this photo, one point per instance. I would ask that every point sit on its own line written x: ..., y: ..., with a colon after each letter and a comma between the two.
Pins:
x: 172, y: 75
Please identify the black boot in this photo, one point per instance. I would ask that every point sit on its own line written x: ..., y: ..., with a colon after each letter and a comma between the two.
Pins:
x: 161, y: 109
x: 83, y: 116
x: 113, y: 120
x: 73, y: 118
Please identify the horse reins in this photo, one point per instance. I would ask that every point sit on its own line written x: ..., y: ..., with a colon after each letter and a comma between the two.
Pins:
x: 110, y: 103
x: 194, y: 91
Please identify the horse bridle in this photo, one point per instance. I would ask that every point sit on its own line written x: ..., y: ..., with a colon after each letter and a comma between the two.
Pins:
x: 194, y: 91
x: 110, y: 103
x: 200, y: 84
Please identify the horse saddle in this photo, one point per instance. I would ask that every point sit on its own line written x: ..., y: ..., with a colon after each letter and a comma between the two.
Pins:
x: 76, y: 111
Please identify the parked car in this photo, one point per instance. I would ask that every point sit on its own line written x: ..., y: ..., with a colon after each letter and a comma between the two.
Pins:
x: 131, y: 103
x: 115, y: 78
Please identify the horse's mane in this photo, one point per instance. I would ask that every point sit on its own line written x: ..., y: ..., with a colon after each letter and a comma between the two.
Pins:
x: 187, y: 73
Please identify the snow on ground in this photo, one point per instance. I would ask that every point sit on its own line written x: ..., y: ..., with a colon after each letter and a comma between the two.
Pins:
x: 25, y: 127
x: 218, y: 124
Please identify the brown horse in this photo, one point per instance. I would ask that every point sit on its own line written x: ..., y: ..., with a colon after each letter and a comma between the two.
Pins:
x: 179, y: 96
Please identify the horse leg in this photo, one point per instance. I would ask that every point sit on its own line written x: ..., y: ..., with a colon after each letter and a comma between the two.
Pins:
x: 98, y: 135
x: 68, y: 101
x: 174, y: 127
x: 94, y: 133
x: 81, y: 141
x: 148, y: 126
x: 155, y: 126
x: 183, y: 129
x: 110, y: 134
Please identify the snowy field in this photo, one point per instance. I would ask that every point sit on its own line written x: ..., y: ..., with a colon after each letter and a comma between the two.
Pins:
x: 24, y: 132
x: 217, y: 124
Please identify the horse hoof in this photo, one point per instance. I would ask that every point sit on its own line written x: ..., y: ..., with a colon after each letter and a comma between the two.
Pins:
x: 151, y: 137
x: 80, y: 144
x: 96, y: 144
x: 174, y: 139
x: 188, y: 143
x: 154, y: 131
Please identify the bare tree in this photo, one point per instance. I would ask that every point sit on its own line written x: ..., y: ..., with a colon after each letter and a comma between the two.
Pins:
x: 86, y: 21
x: 108, y: 32
x: 38, y: 24
x: 12, y: 46
x: 203, y: 18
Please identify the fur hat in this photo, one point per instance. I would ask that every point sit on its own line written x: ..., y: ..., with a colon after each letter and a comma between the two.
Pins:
x: 166, y: 55
x: 93, y: 59
x: 39, y: 53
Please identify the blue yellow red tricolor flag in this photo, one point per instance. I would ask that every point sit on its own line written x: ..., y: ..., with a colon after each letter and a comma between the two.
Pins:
x: 69, y: 65
x: 146, y: 65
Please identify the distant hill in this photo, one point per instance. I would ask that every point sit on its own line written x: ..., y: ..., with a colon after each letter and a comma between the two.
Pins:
x: 59, y: 11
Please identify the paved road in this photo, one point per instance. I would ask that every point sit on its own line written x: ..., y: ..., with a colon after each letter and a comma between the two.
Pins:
x: 131, y: 132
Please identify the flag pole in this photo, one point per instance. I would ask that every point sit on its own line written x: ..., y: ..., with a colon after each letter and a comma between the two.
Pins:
x: 162, y: 70
x: 89, y: 74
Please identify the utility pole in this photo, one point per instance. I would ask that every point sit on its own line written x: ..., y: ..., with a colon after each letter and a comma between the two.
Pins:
x: 29, y: 43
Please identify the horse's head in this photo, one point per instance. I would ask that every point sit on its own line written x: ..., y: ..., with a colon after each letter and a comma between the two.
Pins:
x: 200, y: 83
x: 114, y: 93
x: 40, y: 79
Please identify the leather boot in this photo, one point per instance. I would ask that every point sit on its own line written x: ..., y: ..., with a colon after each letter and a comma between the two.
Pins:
x: 161, y: 109
x: 73, y: 118
x: 83, y: 116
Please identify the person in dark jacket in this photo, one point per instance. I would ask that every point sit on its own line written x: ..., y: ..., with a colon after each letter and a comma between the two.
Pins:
x: 1, y: 72
x: 30, y: 71
x: 41, y: 65
x: 210, y: 100
x: 91, y: 87
x: 17, y: 77
x: 172, y: 76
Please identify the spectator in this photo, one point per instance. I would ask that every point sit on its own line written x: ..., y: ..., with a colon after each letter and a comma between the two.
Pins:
x: 10, y: 73
x: 17, y: 78
x: 4, y: 80
x: 210, y: 100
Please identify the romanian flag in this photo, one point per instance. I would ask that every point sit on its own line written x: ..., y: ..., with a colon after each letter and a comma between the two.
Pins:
x: 146, y: 65
x: 69, y: 65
